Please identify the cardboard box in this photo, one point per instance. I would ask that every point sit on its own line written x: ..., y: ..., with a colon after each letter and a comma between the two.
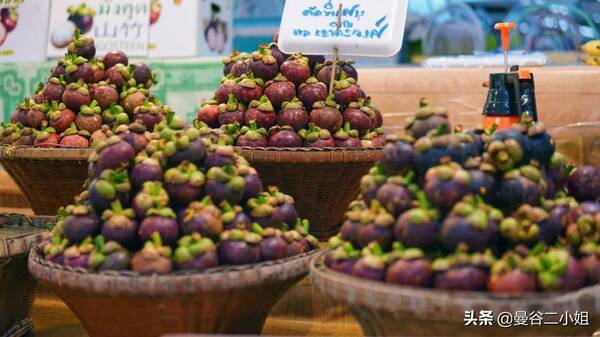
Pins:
x: 23, y: 30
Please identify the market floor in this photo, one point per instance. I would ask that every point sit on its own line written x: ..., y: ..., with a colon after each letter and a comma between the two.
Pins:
x: 301, y: 312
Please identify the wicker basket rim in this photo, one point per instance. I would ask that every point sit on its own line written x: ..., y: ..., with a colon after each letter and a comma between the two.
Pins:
x: 31, y: 152
x: 378, y: 295
x: 32, y: 228
x: 180, y: 282
x: 263, y: 154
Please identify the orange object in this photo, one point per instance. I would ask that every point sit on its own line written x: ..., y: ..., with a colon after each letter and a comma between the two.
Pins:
x: 505, y: 28
x: 524, y: 74
x: 502, y: 122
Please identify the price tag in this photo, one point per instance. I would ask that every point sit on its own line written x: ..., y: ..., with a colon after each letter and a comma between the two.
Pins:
x: 364, y: 28
x: 114, y: 25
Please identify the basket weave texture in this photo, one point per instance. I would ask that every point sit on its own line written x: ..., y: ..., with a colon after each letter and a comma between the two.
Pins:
x: 221, y: 300
x: 392, y: 310
x: 49, y: 178
x: 322, y: 181
x: 17, y: 287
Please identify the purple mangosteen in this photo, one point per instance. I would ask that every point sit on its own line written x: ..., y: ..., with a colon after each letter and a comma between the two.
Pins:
x: 280, y: 90
x: 314, y: 136
x: 162, y: 221
x: 326, y: 115
x: 284, y: 136
x: 296, y: 69
x: 471, y: 225
x: 426, y: 119
x: 224, y: 184
x: 239, y: 247
x: 154, y: 258
x: 202, y: 217
x: 312, y: 91
x: 120, y: 225
x: 260, y: 112
x: 152, y: 195
x: 347, y: 137
x: 252, y: 136
x: 195, y: 252
x: 293, y: 114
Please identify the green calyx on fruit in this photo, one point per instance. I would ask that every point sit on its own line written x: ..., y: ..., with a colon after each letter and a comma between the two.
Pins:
x: 185, y: 173
x: 264, y: 104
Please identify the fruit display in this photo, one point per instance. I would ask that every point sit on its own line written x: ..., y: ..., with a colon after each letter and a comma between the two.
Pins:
x: 9, y: 17
x: 289, y: 100
x: 479, y: 210
x: 173, y: 200
x: 86, y: 99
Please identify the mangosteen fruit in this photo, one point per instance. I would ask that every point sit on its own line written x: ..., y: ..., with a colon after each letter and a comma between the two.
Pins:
x: 263, y: 64
x: 152, y: 195
x: 314, y: 136
x: 224, y: 184
x: 253, y: 136
x: 284, y: 136
x: 239, y: 247
x: 203, y: 217
x: 584, y: 183
x: 296, y: 69
x: 248, y: 89
x: 195, y: 252
x: 293, y: 114
x: 472, y: 224
x: 120, y: 225
x: 280, y: 90
x: 312, y: 91
x: 154, y: 258
x: 261, y: 112
x: 427, y: 118
x: 326, y: 115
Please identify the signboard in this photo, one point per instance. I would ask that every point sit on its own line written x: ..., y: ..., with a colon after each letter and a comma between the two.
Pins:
x: 366, y: 28
x: 114, y: 25
x: 23, y: 25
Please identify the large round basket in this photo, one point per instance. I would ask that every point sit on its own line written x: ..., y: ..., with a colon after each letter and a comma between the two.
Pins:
x: 322, y: 181
x: 17, y: 287
x: 389, y: 310
x: 125, y: 304
x: 49, y: 178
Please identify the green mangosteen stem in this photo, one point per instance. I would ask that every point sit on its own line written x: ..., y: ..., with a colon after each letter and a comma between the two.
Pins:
x: 422, y: 200
x: 256, y: 228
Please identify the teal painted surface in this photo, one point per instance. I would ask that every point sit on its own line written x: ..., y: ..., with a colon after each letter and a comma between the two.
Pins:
x: 181, y: 84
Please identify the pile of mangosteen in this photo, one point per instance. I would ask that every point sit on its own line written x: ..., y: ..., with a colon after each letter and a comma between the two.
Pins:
x: 271, y: 99
x: 479, y: 210
x: 86, y: 99
x: 177, y: 202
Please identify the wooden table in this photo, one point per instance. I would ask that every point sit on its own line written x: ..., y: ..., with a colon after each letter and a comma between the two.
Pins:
x: 564, y: 94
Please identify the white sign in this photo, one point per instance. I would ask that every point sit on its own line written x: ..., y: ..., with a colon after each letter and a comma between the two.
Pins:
x: 368, y: 28
x: 23, y: 25
x: 114, y: 25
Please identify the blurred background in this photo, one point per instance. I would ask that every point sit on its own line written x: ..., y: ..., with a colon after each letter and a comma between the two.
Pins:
x: 459, y: 27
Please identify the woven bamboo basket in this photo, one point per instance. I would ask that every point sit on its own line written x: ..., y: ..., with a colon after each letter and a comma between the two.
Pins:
x: 322, y: 181
x: 390, y: 310
x: 49, y: 178
x: 17, y: 287
x: 124, y: 304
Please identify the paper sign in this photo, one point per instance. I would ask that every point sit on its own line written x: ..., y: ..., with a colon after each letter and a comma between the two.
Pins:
x: 114, y: 25
x: 368, y: 28
x: 23, y: 25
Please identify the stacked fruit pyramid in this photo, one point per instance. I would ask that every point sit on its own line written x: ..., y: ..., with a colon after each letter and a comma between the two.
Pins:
x: 270, y: 99
x: 476, y: 210
x: 86, y: 99
x: 178, y: 201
